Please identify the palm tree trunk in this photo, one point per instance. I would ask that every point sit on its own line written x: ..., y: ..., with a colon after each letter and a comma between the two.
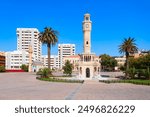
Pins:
x: 127, y: 65
x: 49, y: 53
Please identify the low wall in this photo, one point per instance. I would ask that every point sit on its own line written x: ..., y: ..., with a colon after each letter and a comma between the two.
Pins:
x: 14, y: 70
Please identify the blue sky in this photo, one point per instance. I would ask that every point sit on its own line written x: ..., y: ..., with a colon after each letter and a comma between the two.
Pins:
x: 112, y: 21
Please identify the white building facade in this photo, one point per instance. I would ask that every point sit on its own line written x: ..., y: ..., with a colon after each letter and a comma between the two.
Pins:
x: 65, y: 50
x: 15, y: 59
x: 53, y: 60
x: 26, y: 37
x: 120, y: 60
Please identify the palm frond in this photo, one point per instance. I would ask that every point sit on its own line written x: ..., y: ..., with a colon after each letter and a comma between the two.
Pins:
x: 128, y: 45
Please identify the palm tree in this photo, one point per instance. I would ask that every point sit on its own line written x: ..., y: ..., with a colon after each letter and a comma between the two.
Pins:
x: 50, y: 38
x: 128, y: 46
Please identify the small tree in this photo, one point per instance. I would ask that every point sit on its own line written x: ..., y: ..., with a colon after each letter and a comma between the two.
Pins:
x: 2, y: 69
x: 67, y: 68
x: 108, y: 63
x: 24, y: 67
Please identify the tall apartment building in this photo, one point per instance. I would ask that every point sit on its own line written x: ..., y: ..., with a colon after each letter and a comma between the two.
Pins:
x: 26, y: 37
x: 15, y: 59
x: 53, y: 59
x: 65, y: 50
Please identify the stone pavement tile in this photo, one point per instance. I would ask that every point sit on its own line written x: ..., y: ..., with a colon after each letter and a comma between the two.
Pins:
x: 117, y: 91
x: 25, y: 86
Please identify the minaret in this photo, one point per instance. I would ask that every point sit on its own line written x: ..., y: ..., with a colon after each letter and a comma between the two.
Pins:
x: 87, y: 25
x: 30, y: 58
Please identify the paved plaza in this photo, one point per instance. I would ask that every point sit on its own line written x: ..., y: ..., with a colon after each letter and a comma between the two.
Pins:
x: 25, y: 86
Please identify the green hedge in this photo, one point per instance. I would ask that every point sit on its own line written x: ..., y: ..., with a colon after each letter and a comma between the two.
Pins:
x: 138, y: 82
x: 52, y: 79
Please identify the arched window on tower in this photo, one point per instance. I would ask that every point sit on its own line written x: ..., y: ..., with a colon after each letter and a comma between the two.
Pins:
x: 87, y: 18
x: 87, y: 42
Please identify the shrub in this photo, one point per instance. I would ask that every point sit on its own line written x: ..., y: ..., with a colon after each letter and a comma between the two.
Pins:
x: 122, y: 68
x: 135, y: 81
x: 132, y: 72
x: 146, y: 73
x: 2, y: 69
x: 139, y: 73
x: 44, y: 72
x: 24, y: 67
x: 52, y: 79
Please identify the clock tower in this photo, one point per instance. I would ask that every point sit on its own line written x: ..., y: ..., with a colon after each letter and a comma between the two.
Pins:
x: 87, y: 33
x: 89, y: 65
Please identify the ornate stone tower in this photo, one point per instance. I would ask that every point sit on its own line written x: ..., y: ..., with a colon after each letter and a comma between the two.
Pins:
x: 89, y: 66
x: 87, y: 25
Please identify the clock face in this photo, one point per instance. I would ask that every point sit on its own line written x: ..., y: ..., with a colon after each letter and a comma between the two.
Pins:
x: 87, y: 25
